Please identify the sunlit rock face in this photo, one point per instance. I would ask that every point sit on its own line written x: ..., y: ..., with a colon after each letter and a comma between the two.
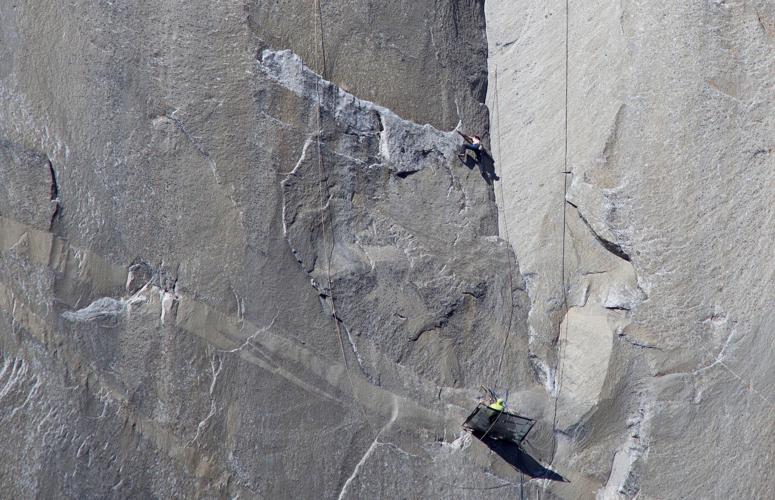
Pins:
x: 191, y: 202
x: 659, y: 362
x: 240, y: 257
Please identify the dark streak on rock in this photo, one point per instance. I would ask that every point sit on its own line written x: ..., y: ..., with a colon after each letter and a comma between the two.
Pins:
x: 612, y: 247
x: 509, y: 43
x: 54, y: 194
x: 637, y: 344
x: 767, y: 31
x: 194, y: 142
x: 405, y: 174
x: 422, y: 332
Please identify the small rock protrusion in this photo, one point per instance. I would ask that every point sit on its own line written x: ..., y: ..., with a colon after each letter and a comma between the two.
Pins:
x: 139, y: 275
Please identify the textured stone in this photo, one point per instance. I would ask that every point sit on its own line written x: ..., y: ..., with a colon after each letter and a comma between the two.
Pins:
x: 224, y: 276
x: 668, y: 216
x: 29, y: 192
x: 170, y: 335
x: 382, y: 175
x: 422, y: 59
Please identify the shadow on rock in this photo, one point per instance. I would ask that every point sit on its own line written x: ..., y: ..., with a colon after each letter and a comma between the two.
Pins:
x: 486, y: 165
x: 518, y: 458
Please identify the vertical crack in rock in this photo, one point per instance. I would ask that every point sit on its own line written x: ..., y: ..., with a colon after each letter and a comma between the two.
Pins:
x: 357, y: 354
x: 54, y: 195
x: 613, y: 136
x: 202, y: 425
x: 767, y: 26
x: 307, y: 143
x: 201, y: 150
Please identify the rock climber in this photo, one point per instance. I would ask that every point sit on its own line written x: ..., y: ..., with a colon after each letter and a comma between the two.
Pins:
x: 482, y: 157
x: 498, y: 405
x: 474, y: 143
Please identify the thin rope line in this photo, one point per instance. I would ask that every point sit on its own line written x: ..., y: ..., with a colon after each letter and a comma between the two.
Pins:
x: 505, y: 232
x: 325, y: 207
x: 562, y: 335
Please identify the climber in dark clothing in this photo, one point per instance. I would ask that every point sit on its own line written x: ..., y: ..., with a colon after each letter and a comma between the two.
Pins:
x: 474, y: 144
x: 481, y: 157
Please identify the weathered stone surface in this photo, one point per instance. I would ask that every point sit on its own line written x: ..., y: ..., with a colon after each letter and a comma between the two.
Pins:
x: 417, y: 286
x: 668, y: 221
x: 169, y: 335
x: 28, y: 188
x: 422, y: 59
x: 188, y: 211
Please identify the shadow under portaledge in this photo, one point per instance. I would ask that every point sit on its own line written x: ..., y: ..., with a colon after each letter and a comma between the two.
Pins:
x: 518, y: 458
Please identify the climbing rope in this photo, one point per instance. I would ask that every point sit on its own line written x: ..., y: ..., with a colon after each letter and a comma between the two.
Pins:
x: 325, y: 205
x: 505, y: 233
x: 508, y: 243
x: 562, y: 333
x: 509, y: 256
x: 561, y: 336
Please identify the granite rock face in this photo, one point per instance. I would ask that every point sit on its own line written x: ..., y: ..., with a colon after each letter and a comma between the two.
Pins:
x: 185, y: 206
x: 659, y: 363
x: 236, y: 262
x: 422, y: 59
